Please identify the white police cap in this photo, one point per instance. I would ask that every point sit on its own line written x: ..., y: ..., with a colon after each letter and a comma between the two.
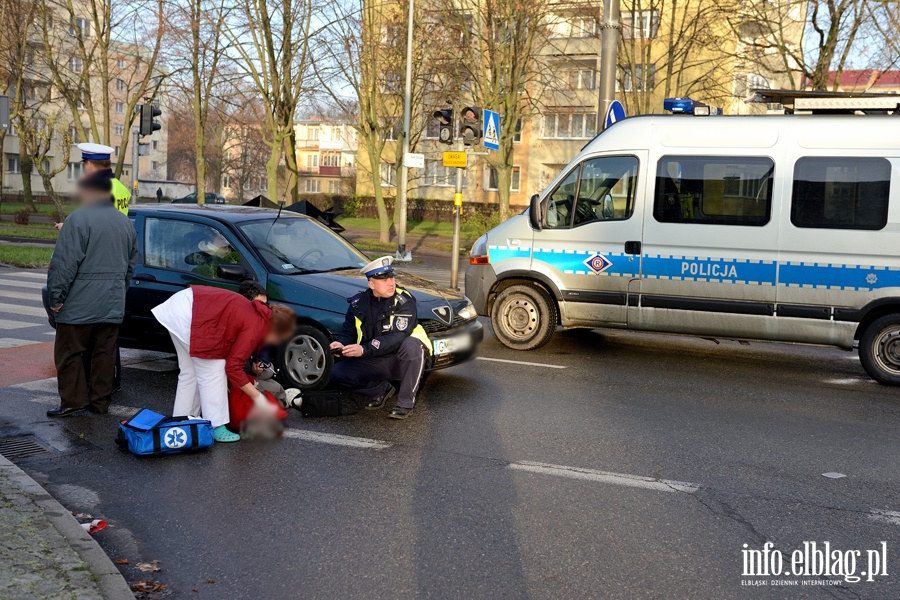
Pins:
x: 95, y: 151
x: 380, y: 268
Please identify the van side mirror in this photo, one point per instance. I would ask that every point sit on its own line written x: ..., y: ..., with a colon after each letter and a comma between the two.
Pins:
x: 233, y: 272
x: 534, y: 213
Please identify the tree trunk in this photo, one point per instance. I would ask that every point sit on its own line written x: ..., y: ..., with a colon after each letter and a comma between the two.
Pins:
x: 27, y: 167
x: 373, y: 155
x: 200, y: 164
x: 272, y: 173
x: 48, y: 187
x: 504, y: 177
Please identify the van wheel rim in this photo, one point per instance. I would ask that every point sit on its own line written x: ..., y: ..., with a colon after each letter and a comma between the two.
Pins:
x: 887, y: 350
x: 305, y: 359
x: 520, y: 318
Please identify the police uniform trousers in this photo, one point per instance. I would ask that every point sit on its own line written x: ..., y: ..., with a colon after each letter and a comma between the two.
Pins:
x: 370, y: 376
x: 97, y: 341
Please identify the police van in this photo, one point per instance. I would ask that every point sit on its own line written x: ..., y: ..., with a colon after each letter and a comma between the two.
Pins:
x: 778, y: 228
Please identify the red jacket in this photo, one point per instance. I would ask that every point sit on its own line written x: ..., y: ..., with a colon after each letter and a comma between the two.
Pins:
x: 226, y: 325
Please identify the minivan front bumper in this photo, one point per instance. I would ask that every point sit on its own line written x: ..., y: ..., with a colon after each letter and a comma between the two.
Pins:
x: 479, y: 281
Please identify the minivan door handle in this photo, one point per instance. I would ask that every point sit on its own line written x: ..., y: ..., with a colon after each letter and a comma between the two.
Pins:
x: 632, y: 247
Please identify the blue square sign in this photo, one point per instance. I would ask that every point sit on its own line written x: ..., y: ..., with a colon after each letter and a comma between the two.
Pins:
x: 490, y: 138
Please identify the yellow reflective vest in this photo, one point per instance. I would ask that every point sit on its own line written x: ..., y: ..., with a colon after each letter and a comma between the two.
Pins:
x: 121, y: 196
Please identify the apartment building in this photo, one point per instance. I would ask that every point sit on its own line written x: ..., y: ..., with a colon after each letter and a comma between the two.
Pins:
x: 667, y: 48
x: 45, y: 100
x: 326, y: 156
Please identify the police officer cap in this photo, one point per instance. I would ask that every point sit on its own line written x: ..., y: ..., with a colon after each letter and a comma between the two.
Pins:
x: 380, y: 268
x: 95, y: 152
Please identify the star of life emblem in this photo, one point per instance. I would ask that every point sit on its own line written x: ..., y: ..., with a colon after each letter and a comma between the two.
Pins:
x: 175, y: 438
x: 597, y: 263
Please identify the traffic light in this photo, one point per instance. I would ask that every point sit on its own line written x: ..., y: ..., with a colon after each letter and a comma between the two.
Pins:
x: 470, y: 125
x: 445, y: 119
x: 149, y: 124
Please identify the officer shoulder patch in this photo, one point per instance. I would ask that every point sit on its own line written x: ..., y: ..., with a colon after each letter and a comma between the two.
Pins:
x: 401, y: 300
x: 376, y: 344
x: 402, y: 323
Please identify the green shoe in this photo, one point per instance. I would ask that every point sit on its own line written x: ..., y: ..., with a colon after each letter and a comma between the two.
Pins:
x: 221, y: 434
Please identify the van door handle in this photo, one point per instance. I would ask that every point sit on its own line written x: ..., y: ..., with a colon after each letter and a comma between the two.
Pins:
x: 632, y: 247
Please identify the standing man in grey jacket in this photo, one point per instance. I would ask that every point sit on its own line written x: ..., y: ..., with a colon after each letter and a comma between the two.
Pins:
x: 90, y: 271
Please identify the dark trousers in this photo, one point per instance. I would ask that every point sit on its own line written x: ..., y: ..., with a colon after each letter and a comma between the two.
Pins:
x: 98, y: 340
x: 370, y: 376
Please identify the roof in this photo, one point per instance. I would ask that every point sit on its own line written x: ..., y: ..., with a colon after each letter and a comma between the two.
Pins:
x: 229, y: 212
x: 867, y: 78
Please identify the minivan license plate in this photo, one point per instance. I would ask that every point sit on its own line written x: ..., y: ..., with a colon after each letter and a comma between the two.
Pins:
x: 450, y: 345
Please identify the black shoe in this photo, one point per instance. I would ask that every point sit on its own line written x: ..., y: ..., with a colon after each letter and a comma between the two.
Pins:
x: 59, y: 411
x: 98, y: 411
x: 378, y: 403
x: 398, y: 412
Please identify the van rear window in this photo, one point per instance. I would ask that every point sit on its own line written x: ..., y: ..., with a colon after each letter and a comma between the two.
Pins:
x: 714, y: 190
x: 841, y: 192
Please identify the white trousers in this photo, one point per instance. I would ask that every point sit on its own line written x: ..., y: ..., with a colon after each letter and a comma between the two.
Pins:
x: 202, y: 386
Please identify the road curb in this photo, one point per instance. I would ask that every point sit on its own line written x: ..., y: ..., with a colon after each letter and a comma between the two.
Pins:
x: 110, y: 581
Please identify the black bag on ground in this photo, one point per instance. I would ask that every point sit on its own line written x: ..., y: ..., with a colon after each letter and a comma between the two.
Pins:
x: 328, y: 403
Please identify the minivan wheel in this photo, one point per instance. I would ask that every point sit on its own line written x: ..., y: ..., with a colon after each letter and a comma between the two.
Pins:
x: 523, y: 317
x: 879, y: 349
x: 305, y: 361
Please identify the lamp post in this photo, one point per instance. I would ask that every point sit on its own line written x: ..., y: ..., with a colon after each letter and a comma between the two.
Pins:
x: 402, y: 252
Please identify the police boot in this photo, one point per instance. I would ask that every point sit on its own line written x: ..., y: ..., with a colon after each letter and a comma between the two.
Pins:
x: 398, y: 412
x: 378, y: 403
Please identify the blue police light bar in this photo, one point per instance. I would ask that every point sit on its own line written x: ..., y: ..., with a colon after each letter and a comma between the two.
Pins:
x: 686, y: 106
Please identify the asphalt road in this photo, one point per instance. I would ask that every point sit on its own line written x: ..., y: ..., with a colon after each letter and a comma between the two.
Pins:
x: 637, y: 470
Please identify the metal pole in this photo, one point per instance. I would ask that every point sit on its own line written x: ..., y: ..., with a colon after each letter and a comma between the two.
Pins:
x: 457, y: 219
x: 402, y: 253
x: 609, y: 43
x: 135, y: 158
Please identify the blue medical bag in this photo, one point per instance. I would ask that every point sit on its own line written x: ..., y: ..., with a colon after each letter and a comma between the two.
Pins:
x: 149, y: 433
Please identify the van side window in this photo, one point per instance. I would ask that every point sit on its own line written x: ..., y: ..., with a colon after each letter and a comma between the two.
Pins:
x: 841, y: 193
x: 600, y: 189
x: 714, y: 190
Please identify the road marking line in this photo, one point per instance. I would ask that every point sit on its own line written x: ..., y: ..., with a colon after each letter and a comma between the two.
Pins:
x: 19, y: 295
x: 7, y: 324
x: 623, y: 479
x: 519, y: 362
x: 338, y: 440
x: 27, y: 274
x: 162, y: 365
x: 48, y: 385
x: 34, y: 285
x: 885, y: 516
x: 18, y: 309
x: 15, y: 343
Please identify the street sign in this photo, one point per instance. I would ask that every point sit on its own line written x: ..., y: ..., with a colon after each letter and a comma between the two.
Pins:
x: 491, y: 137
x: 415, y: 160
x: 615, y: 113
x: 455, y: 159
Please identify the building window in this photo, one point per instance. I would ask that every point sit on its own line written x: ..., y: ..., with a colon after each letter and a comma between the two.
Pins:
x: 120, y: 129
x: 76, y: 64
x: 388, y: 174
x: 334, y: 187
x: 154, y: 165
x: 312, y: 134
x: 12, y: 164
x: 432, y: 128
x: 517, y: 135
x: 154, y: 145
x: 436, y: 174
x: 74, y: 171
x: 393, y: 134
x: 312, y: 161
x: 745, y: 84
x: 493, y: 178
x: 120, y: 85
x: 841, y: 193
x: 331, y: 159
x: 336, y: 135
x: 583, y: 27
x: 716, y: 190
x: 117, y: 150
x: 636, y: 78
x: 638, y: 24
x: 73, y: 135
x: 120, y: 63
x: 120, y: 108
x: 313, y: 186
x: 580, y: 79
x: 78, y: 25
x: 569, y: 125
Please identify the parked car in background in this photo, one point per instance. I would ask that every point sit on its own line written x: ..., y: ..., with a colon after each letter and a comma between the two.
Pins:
x: 211, y: 198
x: 298, y: 260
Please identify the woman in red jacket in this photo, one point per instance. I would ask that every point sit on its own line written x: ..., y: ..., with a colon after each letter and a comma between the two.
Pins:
x: 214, y: 332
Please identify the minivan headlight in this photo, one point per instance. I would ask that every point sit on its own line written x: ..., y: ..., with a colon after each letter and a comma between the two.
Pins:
x: 467, y: 312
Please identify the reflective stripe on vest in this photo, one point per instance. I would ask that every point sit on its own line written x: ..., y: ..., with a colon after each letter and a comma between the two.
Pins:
x: 358, y: 330
x: 121, y: 196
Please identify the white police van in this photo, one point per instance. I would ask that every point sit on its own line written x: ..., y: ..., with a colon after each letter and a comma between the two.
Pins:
x: 779, y: 228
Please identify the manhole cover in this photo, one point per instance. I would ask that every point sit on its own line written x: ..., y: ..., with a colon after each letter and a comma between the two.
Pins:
x: 26, y: 446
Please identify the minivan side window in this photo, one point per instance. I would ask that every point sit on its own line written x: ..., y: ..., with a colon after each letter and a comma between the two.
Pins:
x: 714, y: 190
x: 832, y: 192
x: 187, y: 247
x: 600, y: 189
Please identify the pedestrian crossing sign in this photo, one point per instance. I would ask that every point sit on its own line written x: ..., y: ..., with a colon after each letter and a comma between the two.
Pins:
x: 491, y: 134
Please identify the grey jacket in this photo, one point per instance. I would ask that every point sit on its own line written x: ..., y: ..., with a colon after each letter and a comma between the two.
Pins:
x: 92, y: 265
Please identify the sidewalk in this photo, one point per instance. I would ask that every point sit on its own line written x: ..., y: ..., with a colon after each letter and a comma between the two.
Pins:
x: 44, y: 552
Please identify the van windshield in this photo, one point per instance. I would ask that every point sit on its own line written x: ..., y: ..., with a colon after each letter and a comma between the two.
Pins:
x: 293, y: 245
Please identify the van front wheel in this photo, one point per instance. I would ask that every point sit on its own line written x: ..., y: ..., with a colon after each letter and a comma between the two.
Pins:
x: 523, y: 317
x: 879, y: 349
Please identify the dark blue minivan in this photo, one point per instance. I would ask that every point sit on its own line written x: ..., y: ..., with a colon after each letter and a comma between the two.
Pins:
x: 298, y: 260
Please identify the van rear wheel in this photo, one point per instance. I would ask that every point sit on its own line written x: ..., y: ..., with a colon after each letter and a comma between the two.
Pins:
x: 879, y: 349
x: 523, y: 317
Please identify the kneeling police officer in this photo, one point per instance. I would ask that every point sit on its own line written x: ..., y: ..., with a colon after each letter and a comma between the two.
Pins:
x: 381, y: 341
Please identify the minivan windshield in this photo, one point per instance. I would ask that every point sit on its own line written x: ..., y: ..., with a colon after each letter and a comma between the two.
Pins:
x: 292, y: 245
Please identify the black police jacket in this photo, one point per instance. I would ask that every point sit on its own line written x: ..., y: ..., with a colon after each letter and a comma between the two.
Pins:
x: 380, y: 325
